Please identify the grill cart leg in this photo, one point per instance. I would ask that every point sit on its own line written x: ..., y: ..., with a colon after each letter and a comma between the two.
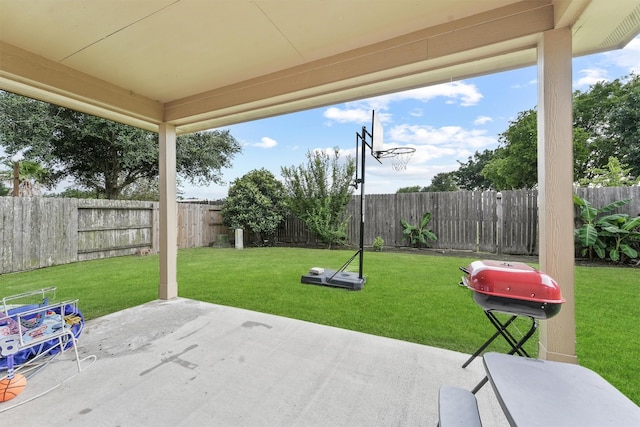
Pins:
x: 490, y: 340
x: 516, y: 346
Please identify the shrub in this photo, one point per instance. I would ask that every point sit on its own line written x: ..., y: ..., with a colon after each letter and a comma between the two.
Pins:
x: 378, y: 244
x: 613, y: 236
x: 418, y: 235
x: 318, y: 193
x: 256, y: 203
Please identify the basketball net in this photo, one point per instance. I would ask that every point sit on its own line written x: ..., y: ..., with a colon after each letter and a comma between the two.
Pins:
x: 400, y: 157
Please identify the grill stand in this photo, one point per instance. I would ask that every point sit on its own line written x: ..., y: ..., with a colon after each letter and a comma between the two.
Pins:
x: 502, y: 329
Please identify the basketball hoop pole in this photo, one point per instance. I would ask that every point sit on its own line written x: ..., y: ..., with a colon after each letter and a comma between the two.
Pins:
x: 361, y: 144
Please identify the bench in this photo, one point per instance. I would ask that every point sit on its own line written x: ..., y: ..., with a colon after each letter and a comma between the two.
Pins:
x: 457, y: 407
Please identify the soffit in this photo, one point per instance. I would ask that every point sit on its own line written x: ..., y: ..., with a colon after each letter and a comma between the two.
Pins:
x: 199, y: 64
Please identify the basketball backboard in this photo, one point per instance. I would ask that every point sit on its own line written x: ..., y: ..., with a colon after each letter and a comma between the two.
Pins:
x: 377, y: 135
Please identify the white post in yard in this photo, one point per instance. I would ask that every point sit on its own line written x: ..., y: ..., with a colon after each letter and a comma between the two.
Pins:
x: 239, y: 238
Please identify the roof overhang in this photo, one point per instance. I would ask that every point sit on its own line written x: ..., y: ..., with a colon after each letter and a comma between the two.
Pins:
x: 200, y: 65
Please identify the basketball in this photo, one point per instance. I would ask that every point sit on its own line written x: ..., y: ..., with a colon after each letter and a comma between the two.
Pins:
x: 11, y: 387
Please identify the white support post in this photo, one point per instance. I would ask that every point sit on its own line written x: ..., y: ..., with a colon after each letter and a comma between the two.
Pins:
x: 168, y: 286
x: 555, y: 179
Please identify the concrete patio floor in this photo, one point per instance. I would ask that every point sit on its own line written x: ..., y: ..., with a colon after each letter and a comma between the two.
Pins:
x: 190, y: 363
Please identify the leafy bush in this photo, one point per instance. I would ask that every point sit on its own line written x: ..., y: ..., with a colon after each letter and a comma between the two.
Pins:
x: 378, y: 243
x: 418, y: 235
x: 615, y: 236
x: 318, y: 193
x: 256, y: 203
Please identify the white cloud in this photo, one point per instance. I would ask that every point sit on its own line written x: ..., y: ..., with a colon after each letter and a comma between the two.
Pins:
x: 360, y: 111
x: 265, y: 142
x: 348, y: 115
x: 464, y: 93
x: 481, y: 120
x: 527, y: 84
x: 448, y: 136
x: 591, y: 76
x: 627, y: 58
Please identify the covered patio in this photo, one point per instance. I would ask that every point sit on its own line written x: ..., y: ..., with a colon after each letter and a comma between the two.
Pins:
x: 189, y: 363
x: 179, y: 66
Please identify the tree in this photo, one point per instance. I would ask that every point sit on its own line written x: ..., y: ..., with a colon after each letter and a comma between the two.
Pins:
x: 319, y: 192
x: 469, y: 177
x: 625, y: 125
x: 3, y: 189
x: 256, y: 202
x: 142, y: 189
x: 31, y: 177
x: 592, y: 112
x: 613, y: 174
x: 75, y: 193
x: 515, y: 164
x: 413, y: 189
x: 102, y: 155
x: 609, y: 115
x: 444, y: 181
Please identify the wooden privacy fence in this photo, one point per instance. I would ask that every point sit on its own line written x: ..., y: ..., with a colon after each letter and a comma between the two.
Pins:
x: 41, y: 231
x: 481, y: 221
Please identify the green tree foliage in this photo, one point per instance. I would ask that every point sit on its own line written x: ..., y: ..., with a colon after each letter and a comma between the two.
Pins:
x: 625, y: 125
x: 515, y: 163
x: 469, y: 176
x: 257, y: 203
x: 445, y: 181
x: 413, y: 189
x: 593, y: 113
x: 4, y: 190
x: 606, y: 124
x: 613, y: 174
x: 319, y: 192
x: 32, y: 177
x: 143, y: 189
x: 101, y: 155
x: 75, y: 193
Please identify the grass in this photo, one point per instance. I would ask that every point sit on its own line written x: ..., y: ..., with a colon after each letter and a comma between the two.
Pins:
x: 411, y: 297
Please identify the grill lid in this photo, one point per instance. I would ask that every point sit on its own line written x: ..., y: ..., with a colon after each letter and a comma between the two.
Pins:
x: 514, y: 280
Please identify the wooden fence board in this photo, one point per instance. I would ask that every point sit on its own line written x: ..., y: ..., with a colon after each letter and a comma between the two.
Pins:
x: 108, y: 228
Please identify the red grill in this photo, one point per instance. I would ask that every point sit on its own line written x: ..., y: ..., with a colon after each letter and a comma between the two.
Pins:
x: 513, y: 288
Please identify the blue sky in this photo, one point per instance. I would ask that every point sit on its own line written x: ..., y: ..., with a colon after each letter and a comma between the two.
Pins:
x: 445, y: 123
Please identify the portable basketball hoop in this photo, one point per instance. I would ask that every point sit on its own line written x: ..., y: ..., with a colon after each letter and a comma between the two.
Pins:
x: 399, y: 156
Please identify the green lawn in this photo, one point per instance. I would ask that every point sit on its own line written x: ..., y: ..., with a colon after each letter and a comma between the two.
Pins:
x: 412, y: 297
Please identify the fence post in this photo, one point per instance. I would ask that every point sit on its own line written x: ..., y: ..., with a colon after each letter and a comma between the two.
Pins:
x: 500, y: 222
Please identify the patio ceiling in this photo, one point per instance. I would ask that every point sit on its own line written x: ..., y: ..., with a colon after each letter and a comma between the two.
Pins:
x: 200, y: 64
